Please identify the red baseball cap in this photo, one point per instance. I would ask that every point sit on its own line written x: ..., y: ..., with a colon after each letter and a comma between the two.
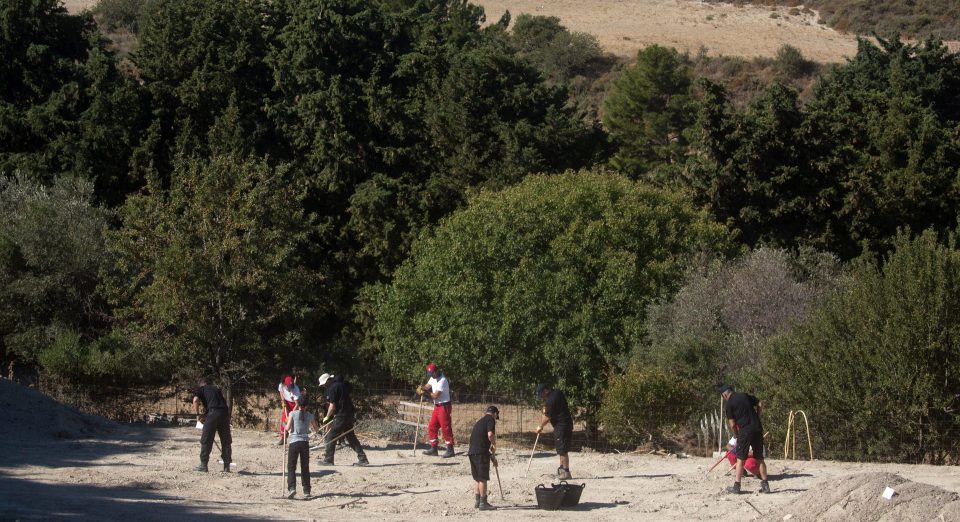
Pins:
x: 431, y: 368
x: 287, y: 380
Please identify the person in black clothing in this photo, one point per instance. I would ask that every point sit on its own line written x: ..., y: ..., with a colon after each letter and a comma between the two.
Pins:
x: 340, y: 418
x: 743, y: 417
x: 215, y: 421
x: 557, y: 413
x: 483, y: 447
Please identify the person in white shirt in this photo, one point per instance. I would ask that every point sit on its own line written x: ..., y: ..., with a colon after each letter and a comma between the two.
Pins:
x: 438, y: 389
x: 289, y: 392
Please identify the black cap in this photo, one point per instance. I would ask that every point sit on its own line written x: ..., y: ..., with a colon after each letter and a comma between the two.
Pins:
x: 494, y: 410
x: 541, y: 388
x: 724, y: 388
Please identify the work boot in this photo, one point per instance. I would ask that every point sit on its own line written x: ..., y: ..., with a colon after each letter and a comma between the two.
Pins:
x: 764, y: 487
x: 477, y: 500
x: 734, y: 489
x: 449, y: 453
x: 291, y: 493
x: 226, y: 467
x: 202, y: 467
x: 280, y: 442
x: 484, y: 505
x: 563, y: 473
x: 432, y: 451
x: 325, y: 461
x: 307, y: 495
x: 362, y: 461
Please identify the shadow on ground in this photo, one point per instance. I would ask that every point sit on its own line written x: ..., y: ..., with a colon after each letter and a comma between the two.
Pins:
x: 22, y: 499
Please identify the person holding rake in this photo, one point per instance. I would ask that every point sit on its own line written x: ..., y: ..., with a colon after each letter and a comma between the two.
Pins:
x: 483, y: 448
x: 743, y: 417
x: 299, y: 424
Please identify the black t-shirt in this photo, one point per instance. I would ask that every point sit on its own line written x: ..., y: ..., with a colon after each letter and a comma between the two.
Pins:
x: 557, y: 409
x: 339, y: 395
x: 211, y: 397
x: 740, y: 408
x: 479, y: 441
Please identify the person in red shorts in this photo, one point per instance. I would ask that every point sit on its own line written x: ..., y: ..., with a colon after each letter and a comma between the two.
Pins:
x: 438, y: 389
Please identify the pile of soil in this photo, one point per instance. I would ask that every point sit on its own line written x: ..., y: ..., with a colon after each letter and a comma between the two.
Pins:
x: 27, y: 414
x: 860, y: 497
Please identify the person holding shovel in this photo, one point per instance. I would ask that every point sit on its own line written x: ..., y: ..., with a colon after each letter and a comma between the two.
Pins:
x: 289, y: 391
x: 557, y: 413
x: 340, y: 418
x: 216, y: 421
x: 483, y: 447
x: 299, y: 423
x: 743, y: 417
x: 438, y: 389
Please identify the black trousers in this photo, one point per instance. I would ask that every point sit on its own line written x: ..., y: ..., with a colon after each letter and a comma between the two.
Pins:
x: 298, y: 450
x: 342, y: 424
x: 216, y: 423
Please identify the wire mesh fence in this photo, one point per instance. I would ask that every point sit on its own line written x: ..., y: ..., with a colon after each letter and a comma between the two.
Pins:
x: 392, y: 413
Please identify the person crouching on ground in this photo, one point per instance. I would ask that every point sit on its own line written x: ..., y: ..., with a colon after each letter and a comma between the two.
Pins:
x: 750, y: 465
x: 299, y: 423
x: 557, y: 413
x: 743, y: 418
x: 215, y: 422
x: 483, y: 447
x: 340, y: 418
x: 438, y: 389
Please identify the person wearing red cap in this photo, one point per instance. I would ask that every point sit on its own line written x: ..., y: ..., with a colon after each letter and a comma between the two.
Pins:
x: 289, y: 392
x: 438, y: 389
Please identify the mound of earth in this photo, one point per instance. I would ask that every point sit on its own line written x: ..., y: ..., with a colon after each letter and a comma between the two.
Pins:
x: 27, y: 414
x: 860, y: 497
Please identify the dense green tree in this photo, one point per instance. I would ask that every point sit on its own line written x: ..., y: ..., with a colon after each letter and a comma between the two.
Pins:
x: 64, y: 107
x: 217, y: 269
x: 203, y: 67
x: 874, y: 148
x: 648, y: 110
x: 548, y: 280
x: 875, y: 367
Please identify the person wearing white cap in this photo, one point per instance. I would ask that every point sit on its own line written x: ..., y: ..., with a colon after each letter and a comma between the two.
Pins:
x: 340, y: 416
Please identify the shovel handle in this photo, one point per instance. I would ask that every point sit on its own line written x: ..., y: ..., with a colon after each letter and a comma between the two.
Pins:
x: 532, y: 452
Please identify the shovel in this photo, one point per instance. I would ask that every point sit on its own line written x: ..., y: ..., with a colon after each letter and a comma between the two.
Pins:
x: 496, y: 468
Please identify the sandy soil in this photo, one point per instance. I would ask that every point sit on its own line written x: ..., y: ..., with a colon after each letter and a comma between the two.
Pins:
x: 145, y: 474
x: 61, y: 464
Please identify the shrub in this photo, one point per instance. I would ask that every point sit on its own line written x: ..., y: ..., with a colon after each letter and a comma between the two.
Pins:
x: 645, y: 404
x: 875, y: 367
x: 117, y: 14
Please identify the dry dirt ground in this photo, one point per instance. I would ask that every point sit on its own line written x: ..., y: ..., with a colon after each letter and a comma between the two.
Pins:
x: 58, y: 464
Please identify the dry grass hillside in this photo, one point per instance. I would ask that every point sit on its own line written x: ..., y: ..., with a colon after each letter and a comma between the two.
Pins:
x: 624, y: 26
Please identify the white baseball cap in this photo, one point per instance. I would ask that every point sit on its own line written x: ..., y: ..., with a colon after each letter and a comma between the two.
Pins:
x: 324, y: 378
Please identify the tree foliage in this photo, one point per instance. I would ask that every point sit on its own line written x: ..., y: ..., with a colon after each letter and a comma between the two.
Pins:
x: 217, y: 268
x: 64, y: 107
x: 545, y: 281
x: 648, y: 110
x: 874, y: 148
x: 51, y: 253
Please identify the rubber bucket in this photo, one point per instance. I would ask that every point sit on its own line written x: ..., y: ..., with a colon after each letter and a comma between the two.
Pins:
x: 551, y: 498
